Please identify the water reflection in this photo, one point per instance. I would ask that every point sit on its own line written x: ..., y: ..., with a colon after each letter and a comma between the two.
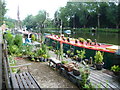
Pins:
x: 101, y: 37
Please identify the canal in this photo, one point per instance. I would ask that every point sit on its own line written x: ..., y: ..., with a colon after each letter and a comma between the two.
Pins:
x: 101, y: 37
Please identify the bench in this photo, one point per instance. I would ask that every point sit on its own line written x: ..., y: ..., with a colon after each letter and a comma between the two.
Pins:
x: 54, y: 63
x: 23, y: 80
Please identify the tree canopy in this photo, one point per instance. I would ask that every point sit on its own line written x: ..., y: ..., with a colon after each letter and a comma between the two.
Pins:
x: 36, y: 22
x: 89, y: 14
x: 2, y: 11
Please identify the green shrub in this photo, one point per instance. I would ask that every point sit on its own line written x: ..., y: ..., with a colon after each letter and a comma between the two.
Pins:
x: 64, y: 62
x: 9, y: 38
x: 81, y: 54
x: 33, y: 37
x: 18, y: 40
x: 98, y: 57
x: 115, y: 68
x: 82, y: 40
x: 13, y: 49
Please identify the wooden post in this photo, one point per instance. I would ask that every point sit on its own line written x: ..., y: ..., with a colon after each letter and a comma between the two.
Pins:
x: 61, y: 50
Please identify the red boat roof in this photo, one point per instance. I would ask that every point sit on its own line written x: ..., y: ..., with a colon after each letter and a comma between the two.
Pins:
x: 102, y: 47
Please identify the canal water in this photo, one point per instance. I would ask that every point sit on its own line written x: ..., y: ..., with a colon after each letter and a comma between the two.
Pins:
x: 101, y: 37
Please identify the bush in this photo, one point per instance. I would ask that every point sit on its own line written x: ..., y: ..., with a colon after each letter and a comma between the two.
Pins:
x: 115, y: 68
x: 64, y: 62
x: 18, y: 40
x: 13, y: 49
x: 9, y: 38
x: 98, y: 57
x: 33, y: 37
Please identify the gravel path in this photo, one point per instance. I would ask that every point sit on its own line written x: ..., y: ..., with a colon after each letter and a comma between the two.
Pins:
x: 46, y: 76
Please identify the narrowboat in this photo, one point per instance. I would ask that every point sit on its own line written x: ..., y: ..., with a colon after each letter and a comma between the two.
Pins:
x: 111, y: 52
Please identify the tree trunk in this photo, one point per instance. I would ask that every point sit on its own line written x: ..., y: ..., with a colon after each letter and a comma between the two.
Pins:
x: 117, y: 26
x: 84, y: 26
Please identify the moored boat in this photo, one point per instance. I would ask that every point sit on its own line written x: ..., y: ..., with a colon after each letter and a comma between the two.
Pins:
x: 111, y: 52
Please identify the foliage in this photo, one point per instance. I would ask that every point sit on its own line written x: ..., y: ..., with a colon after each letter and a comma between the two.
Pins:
x: 64, y: 62
x: 84, y: 75
x: 40, y: 52
x: 87, y: 14
x: 10, y: 22
x: 45, y: 56
x: 89, y: 40
x: 33, y: 37
x: 38, y: 21
x: 9, y: 38
x: 82, y: 40
x: 2, y: 11
x: 18, y: 40
x: 81, y: 54
x: 115, y: 68
x: 70, y: 53
x: 30, y: 53
x: 49, y: 47
x: 98, y: 57
x: 25, y: 50
x: 12, y: 62
x: 13, y: 49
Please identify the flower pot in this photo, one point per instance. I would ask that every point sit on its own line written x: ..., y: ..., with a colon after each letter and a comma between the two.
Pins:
x: 99, y: 66
x: 76, y: 72
x: 29, y: 57
x: 76, y: 41
x: 35, y: 58
x: 117, y: 73
x: 41, y: 59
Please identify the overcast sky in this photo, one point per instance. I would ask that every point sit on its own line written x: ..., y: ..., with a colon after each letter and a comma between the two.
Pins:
x: 27, y: 7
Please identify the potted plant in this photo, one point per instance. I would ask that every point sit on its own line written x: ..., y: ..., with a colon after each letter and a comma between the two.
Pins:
x: 98, y: 60
x: 116, y: 70
x: 76, y: 41
x: 75, y: 57
x: 68, y: 39
x: 76, y: 71
x: 64, y: 62
x: 82, y: 40
x: 80, y: 54
x: 40, y: 53
x: 70, y: 53
x: 45, y: 56
x: 85, y: 72
x: 89, y: 41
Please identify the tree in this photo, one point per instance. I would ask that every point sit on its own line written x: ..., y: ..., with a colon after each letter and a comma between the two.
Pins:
x: 2, y: 11
x: 40, y: 18
x: 30, y: 22
x: 10, y: 22
x: 35, y: 22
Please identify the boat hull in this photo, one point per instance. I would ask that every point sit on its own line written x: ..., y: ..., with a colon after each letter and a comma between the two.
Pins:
x: 110, y: 58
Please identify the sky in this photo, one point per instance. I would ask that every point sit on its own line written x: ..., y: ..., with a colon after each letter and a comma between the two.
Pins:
x: 27, y: 7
